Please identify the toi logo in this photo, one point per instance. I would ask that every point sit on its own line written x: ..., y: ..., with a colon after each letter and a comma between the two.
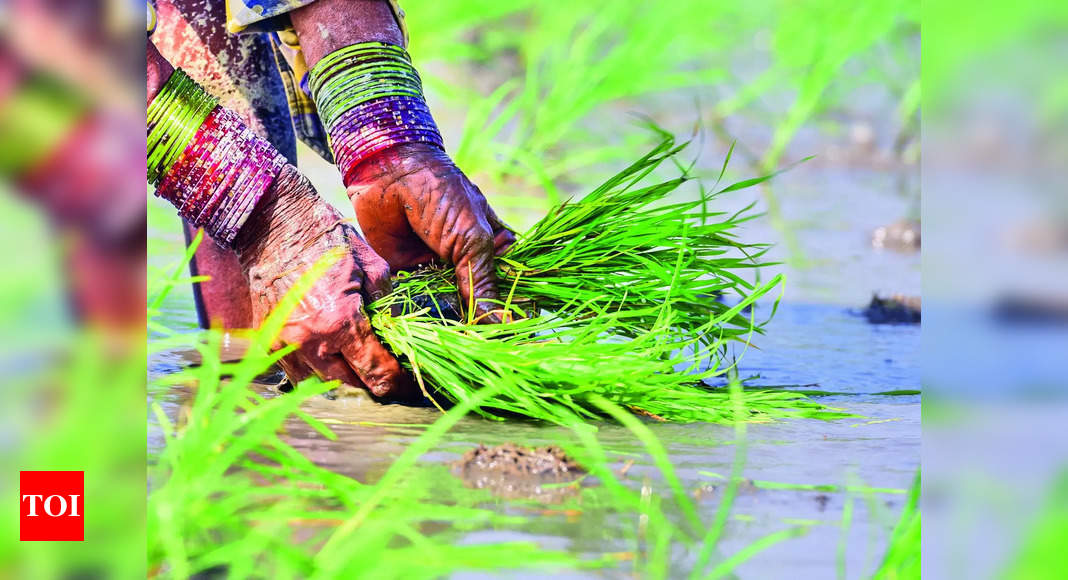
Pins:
x: 51, y: 506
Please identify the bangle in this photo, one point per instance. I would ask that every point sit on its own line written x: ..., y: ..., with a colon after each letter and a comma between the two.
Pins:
x: 174, y: 116
x: 364, y: 131
x: 370, y: 98
x: 219, y: 177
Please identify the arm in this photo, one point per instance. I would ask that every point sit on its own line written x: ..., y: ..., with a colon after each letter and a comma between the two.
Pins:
x: 278, y: 226
x: 412, y: 202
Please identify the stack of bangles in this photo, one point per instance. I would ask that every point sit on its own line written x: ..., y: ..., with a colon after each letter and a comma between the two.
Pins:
x: 370, y: 98
x: 204, y: 160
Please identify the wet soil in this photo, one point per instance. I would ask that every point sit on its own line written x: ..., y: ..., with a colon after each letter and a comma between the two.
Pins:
x: 509, y: 459
x: 895, y: 309
x: 512, y: 471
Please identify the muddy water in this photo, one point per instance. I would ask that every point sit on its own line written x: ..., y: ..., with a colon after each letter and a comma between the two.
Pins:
x: 824, y: 347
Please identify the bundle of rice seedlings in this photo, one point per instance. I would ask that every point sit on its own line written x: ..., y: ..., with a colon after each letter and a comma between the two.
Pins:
x: 620, y: 293
x: 620, y: 247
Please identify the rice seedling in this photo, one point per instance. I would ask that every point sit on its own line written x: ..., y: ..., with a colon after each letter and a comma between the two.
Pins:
x: 621, y: 246
x: 229, y: 496
x: 622, y: 291
x: 902, y: 558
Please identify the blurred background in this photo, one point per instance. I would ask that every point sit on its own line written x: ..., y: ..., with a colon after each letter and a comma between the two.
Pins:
x: 540, y: 101
x: 72, y: 294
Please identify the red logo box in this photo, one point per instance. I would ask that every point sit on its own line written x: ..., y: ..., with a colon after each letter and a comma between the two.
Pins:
x: 51, y: 506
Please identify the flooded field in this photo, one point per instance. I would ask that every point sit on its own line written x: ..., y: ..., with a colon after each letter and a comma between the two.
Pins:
x: 822, y: 347
x: 815, y: 498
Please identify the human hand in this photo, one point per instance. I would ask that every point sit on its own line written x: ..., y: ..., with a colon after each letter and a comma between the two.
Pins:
x: 291, y: 229
x: 415, y: 205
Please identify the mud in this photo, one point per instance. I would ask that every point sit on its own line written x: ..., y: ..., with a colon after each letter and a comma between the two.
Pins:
x: 895, y: 309
x: 514, y: 472
x: 510, y: 459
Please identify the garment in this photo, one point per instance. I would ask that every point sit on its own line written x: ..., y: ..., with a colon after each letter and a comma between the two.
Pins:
x: 239, y: 70
x: 266, y: 22
x: 272, y: 16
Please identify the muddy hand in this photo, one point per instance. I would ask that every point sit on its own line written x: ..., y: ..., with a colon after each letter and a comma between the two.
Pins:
x: 287, y: 233
x: 415, y: 205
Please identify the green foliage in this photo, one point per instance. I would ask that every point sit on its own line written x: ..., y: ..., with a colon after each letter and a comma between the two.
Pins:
x: 902, y: 558
x: 543, y: 86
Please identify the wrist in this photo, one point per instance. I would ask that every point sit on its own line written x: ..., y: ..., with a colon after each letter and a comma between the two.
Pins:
x: 370, y: 99
x: 400, y: 159
x: 205, y: 161
x: 280, y: 220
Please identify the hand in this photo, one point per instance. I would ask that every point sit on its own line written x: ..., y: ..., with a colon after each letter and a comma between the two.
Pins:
x: 414, y: 204
x: 290, y: 229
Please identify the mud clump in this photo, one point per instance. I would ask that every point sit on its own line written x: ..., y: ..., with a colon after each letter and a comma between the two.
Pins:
x: 895, y: 309
x: 512, y: 471
x: 510, y: 459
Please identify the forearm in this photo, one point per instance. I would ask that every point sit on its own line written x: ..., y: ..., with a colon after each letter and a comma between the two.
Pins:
x: 328, y: 25
x: 290, y: 201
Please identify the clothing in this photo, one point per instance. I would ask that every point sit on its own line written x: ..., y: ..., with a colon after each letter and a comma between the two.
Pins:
x: 272, y: 16
x: 267, y: 22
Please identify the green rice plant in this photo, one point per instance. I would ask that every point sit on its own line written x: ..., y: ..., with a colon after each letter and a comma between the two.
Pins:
x: 227, y: 495
x: 552, y: 369
x: 622, y: 247
x: 624, y: 291
x: 902, y: 558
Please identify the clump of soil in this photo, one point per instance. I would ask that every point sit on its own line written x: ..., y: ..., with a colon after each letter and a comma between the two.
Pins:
x: 510, y: 459
x: 512, y: 471
x: 896, y: 309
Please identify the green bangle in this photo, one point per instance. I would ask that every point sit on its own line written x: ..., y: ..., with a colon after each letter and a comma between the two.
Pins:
x: 357, y: 74
x: 173, y: 118
x: 370, y: 98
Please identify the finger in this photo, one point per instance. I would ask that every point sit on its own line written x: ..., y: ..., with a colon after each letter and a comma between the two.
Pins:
x: 332, y: 367
x: 503, y: 236
x: 295, y: 368
x: 502, y: 242
x: 374, y: 364
x: 376, y: 274
x: 476, y: 275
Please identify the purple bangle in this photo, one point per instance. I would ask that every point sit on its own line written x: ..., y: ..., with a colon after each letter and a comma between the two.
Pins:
x: 372, y: 127
x: 370, y: 98
x: 221, y: 175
